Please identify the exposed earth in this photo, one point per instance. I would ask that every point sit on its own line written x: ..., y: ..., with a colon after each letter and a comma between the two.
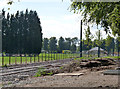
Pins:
x: 88, y: 79
x: 92, y: 75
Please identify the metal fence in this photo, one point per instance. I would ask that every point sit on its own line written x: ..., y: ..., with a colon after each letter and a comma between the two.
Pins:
x: 34, y: 58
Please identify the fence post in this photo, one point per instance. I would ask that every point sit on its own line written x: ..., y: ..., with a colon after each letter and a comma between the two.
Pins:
x: 21, y: 58
x: 30, y: 58
x: 59, y: 56
x: 51, y: 55
x: 34, y: 58
x: 15, y: 59
x: 56, y: 56
x: 42, y: 57
x: 45, y: 55
x: 26, y: 58
x: 38, y: 58
x: 9, y: 59
x: 2, y: 59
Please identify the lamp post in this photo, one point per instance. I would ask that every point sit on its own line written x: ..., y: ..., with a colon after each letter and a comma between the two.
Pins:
x: 81, y: 39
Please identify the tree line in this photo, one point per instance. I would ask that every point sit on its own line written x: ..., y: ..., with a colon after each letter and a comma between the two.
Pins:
x: 110, y: 44
x: 21, y: 33
x: 55, y: 45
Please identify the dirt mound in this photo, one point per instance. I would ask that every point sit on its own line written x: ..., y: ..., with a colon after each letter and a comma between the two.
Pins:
x: 76, y: 65
x: 81, y: 64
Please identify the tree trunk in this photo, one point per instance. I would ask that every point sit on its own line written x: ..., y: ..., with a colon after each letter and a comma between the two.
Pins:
x: 113, y: 51
x: 118, y: 51
x: 98, y: 51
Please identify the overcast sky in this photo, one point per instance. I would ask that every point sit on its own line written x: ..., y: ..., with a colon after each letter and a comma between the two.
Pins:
x: 56, y: 19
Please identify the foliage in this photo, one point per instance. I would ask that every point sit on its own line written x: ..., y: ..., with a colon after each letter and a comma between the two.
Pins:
x: 21, y: 33
x: 107, y: 14
x: 61, y: 44
x: 99, y: 41
x: 118, y: 44
x: 88, y: 37
x: 41, y: 71
x: 53, y: 44
x: 74, y: 42
x: 45, y: 44
x: 109, y: 43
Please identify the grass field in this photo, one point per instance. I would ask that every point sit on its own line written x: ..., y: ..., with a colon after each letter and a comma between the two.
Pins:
x: 40, y: 58
x: 85, y: 57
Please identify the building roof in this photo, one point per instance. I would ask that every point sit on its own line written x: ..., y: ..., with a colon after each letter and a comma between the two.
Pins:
x: 96, y: 49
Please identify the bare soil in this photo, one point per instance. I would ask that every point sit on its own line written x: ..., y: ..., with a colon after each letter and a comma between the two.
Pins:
x: 92, y: 77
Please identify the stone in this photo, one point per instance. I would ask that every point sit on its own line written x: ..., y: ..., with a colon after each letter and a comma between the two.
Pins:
x: 70, y: 74
x: 111, y: 72
x: 21, y: 77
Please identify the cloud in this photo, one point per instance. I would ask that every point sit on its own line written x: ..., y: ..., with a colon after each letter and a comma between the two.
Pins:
x: 60, y: 26
x: 65, y: 26
x: 3, y: 3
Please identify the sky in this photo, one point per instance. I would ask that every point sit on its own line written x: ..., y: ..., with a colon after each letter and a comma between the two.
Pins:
x: 56, y: 18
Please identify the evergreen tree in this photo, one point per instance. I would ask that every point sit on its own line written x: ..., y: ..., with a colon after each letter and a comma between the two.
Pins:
x: 61, y: 44
x: 45, y: 44
x: 67, y: 43
x: 21, y: 33
x: 53, y: 44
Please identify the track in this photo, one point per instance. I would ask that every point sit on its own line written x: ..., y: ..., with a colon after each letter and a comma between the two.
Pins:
x: 11, y: 72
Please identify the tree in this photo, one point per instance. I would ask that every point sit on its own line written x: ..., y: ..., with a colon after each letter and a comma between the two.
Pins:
x: 118, y: 44
x: 105, y: 14
x: 61, y: 44
x: 108, y: 43
x: 88, y: 37
x: 67, y: 43
x: 99, y: 41
x: 45, y: 44
x: 103, y: 44
x: 22, y: 33
x: 74, y: 42
x: 113, y: 45
x: 53, y: 44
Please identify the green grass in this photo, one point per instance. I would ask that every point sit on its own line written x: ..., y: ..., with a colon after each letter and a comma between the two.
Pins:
x: 42, y: 57
x: 114, y: 57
